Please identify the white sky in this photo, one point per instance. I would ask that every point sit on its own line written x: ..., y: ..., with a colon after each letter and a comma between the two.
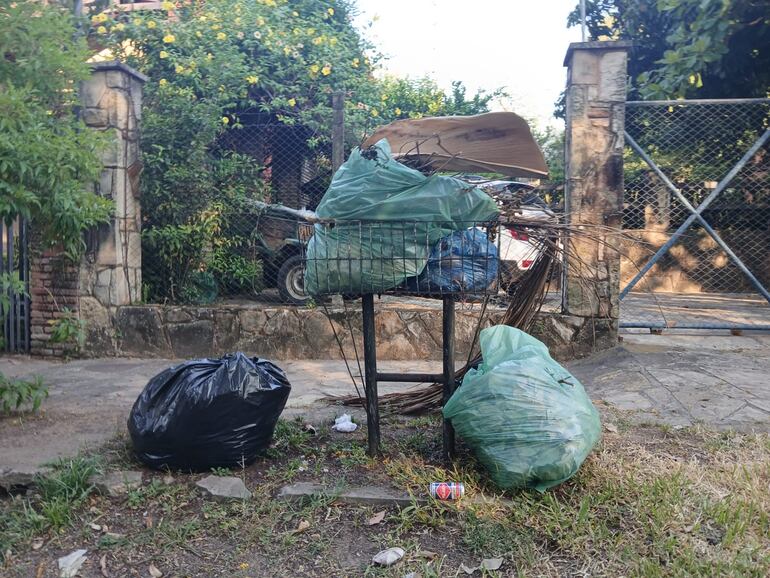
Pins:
x: 518, y: 45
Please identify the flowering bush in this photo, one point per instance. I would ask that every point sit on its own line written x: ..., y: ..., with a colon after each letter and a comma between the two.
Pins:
x: 220, y: 65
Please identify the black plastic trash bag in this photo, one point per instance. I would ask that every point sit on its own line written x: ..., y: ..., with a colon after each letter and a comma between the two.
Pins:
x: 208, y: 413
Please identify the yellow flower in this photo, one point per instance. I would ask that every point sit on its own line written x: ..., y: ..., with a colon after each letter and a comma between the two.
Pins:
x: 169, y: 38
x: 163, y: 82
x: 310, y: 31
x: 253, y: 79
x: 243, y: 566
x: 397, y: 111
x: 332, y: 41
x: 101, y: 30
x: 260, y: 21
x: 99, y: 18
x: 286, y: 51
x: 138, y: 21
x: 163, y: 54
x: 314, y: 68
x: 119, y: 26
x: 179, y: 69
x: 221, y: 36
x: 209, y: 56
x: 151, y: 24
x: 355, y: 63
x: 198, y: 33
x: 202, y: 18
x: 225, y: 120
x: 291, y: 102
x: 237, y: 20
x: 326, y: 70
x: 167, y: 5
x: 330, y: 11
x: 318, y: 40
x: 295, y: 13
x: 375, y: 112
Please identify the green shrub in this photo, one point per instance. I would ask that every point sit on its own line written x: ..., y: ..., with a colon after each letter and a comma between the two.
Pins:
x: 15, y: 394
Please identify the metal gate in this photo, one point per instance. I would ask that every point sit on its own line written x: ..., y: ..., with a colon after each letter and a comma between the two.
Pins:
x: 697, y: 215
x: 14, y: 286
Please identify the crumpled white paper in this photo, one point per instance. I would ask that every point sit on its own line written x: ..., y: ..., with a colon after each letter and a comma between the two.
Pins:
x: 344, y: 424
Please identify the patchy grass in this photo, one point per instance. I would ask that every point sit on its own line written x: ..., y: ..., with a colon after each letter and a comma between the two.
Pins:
x: 61, y: 493
x: 649, y: 501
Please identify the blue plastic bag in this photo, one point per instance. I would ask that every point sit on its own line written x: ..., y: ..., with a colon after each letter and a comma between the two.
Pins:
x: 464, y: 261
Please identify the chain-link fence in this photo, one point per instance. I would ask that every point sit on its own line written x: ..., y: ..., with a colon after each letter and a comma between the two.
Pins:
x: 697, y: 204
x: 236, y: 247
x: 249, y: 241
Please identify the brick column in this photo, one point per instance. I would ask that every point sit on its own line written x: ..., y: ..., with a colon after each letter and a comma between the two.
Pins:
x: 595, y: 98
x: 53, y: 287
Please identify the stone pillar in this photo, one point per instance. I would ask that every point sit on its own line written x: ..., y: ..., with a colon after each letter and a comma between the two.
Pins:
x: 595, y: 99
x: 111, y: 272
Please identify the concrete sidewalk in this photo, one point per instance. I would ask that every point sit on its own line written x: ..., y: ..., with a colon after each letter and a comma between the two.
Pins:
x: 680, y: 380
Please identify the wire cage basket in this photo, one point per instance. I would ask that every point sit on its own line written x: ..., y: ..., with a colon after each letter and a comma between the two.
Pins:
x: 409, y: 257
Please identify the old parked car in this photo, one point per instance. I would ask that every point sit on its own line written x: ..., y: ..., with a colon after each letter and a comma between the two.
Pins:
x: 517, y: 251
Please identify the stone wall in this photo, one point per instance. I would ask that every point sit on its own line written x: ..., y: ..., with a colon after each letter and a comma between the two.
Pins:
x: 403, y: 332
x: 695, y: 264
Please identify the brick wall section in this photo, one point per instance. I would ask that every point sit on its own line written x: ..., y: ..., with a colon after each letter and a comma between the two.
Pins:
x: 53, y: 286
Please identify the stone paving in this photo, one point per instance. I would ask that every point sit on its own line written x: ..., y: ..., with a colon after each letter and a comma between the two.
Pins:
x: 681, y: 380
x: 720, y: 381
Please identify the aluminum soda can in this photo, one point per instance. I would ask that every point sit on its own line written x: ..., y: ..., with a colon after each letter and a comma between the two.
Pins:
x: 447, y: 490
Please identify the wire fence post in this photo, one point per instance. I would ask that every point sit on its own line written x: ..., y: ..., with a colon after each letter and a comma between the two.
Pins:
x: 338, y: 130
x: 448, y: 337
x: 370, y: 377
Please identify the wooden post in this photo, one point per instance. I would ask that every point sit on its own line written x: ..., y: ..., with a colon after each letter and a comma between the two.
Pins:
x: 338, y: 130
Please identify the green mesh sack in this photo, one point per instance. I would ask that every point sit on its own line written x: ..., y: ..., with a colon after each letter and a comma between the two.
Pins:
x: 387, y: 219
x: 527, y: 419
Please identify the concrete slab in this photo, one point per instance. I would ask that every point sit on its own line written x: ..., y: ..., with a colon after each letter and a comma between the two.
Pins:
x: 363, y: 495
x: 720, y: 381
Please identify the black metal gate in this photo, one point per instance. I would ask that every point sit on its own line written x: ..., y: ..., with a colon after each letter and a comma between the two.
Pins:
x: 697, y: 202
x: 14, y: 286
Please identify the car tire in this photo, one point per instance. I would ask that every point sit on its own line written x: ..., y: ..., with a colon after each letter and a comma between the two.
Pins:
x: 290, y: 281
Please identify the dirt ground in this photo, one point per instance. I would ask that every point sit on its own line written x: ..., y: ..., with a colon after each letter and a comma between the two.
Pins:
x: 651, y: 500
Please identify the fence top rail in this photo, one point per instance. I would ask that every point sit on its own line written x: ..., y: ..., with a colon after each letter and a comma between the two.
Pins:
x: 697, y: 102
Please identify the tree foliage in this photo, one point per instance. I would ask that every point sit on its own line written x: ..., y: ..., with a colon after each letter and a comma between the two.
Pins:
x: 48, y: 159
x: 216, y: 70
x: 689, y: 48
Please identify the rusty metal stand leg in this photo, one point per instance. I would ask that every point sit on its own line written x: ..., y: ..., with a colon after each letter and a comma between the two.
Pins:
x: 449, y: 371
x: 370, y: 375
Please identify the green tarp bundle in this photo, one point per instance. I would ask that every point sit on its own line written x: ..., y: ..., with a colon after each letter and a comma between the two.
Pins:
x: 387, y: 217
x: 527, y: 419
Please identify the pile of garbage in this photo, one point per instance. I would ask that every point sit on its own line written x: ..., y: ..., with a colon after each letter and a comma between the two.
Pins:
x: 527, y: 419
x: 389, y: 221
